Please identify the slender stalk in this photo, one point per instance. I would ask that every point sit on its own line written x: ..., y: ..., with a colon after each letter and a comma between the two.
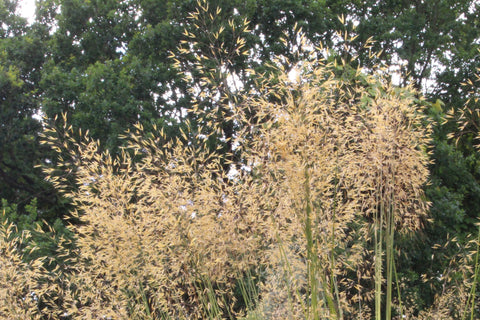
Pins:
x: 390, y: 262
x: 333, y: 277
x: 473, y: 290
x: 209, y: 302
x: 475, y: 278
x: 249, y: 291
x: 389, y: 251
x: 378, y: 271
x: 398, y: 290
x: 311, y: 256
x: 312, y: 261
x: 145, y: 301
x: 378, y: 225
x: 288, y: 270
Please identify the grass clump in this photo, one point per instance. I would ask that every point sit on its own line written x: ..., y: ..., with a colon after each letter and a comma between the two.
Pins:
x: 329, y: 172
x: 328, y: 168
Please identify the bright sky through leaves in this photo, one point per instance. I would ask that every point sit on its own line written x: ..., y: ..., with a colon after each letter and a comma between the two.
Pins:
x: 26, y: 9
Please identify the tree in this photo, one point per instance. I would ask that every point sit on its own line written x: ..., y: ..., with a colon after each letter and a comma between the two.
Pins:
x: 22, y: 49
x: 92, y: 75
x: 132, y: 40
x: 418, y: 38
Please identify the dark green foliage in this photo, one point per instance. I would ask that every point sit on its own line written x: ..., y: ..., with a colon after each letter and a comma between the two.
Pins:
x: 22, y: 53
x: 417, y: 35
x: 455, y: 191
x: 107, y: 99
x: 22, y: 221
x: 45, y: 237
x: 109, y: 64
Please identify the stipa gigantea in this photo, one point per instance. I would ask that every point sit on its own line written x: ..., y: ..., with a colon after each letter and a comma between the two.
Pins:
x: 329, y: 170
x: 340, y: 159
x: 149, y: 228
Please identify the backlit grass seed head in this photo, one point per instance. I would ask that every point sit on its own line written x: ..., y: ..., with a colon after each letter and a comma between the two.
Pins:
x: 153, y: 229
x: 335, y: 158
x: 468, y: 117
